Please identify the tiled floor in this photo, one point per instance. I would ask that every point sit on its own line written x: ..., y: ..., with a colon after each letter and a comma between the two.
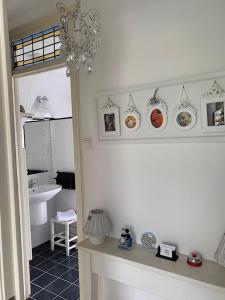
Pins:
x: 53, y: 274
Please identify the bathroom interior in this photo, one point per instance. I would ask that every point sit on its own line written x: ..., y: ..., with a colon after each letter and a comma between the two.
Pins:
x: 47, y: 142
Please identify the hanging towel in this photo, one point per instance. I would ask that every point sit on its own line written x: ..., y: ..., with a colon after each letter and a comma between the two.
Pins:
x: 66, y: 180
x: 64, y: 216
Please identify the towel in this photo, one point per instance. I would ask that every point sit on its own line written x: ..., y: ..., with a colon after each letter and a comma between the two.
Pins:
x: 64, y: 216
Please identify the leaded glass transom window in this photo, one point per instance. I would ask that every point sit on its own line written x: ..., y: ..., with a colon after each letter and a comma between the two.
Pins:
x: 36, y: 48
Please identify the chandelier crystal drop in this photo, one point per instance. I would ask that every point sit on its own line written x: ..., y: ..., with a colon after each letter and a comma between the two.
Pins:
x: 79, y: 36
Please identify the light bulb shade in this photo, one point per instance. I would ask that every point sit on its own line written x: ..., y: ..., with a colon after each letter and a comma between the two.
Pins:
x: 98, y: 224
x: 40, y: 108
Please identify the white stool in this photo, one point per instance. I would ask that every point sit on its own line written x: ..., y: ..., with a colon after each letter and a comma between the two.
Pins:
x: 63, y: 236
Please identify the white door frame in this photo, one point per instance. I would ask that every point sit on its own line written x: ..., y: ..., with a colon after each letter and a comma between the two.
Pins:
x: 58, y: 63
x: 11, y: 279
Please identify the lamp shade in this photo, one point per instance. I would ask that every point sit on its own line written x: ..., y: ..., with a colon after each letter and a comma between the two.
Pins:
x: 97, y: 226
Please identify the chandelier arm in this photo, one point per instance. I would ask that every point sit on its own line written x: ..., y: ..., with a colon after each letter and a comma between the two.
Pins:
x: 62, y: 9
x: 79, y: 45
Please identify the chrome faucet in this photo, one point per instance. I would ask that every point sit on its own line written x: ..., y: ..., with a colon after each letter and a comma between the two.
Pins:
x: 32, y: 183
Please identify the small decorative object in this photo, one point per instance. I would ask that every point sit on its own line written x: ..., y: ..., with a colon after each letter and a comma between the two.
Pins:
x: 167, y: 251
x: 97, y: 226
x: 80, y: 44
x: 148, y: 240
x: 22, y: 110
x: 212, y: 106
x: 194, y: 259
x: 185, y: 115
x: 157, y: 112
x: 109, y: 121
x: 132, y: 117
x: 220, y: 252
x: 125, y: 241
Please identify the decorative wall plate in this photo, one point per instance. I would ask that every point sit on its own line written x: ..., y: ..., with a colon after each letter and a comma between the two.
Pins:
x: 157, y: 113
x: 148, y: 240
x: 185, y: 116
x: 109, y: 121
x: 212, y: 109
x: 132, y: 117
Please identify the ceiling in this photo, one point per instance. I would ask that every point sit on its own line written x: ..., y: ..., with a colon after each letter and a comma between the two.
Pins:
x: 22, y: 12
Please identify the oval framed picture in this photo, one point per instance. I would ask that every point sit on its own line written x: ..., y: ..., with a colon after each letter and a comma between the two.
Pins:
x: 131, y: 121
x: 185, y: 118
x: 157, y: 117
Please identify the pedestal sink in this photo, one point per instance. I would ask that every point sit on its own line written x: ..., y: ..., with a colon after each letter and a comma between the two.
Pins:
x: 38, y: 197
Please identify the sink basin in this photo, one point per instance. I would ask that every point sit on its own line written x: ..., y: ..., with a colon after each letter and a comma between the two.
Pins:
x: 43, y: 192
x: 38, y: 197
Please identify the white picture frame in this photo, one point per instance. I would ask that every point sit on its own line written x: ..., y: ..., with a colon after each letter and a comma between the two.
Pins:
x: 185, y: 115
x: 132, y: 118
x: 157, y: 117
x: 212, y: 110
x: 109, y: 120
x: 185, y: 118
x: 131, y: 121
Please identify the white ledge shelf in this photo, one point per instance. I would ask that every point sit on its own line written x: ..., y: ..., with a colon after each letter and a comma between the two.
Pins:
x: 209, y: 275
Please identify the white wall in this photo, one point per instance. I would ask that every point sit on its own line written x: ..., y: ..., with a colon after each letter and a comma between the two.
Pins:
x: 52, y: 84
x: 175, y: 190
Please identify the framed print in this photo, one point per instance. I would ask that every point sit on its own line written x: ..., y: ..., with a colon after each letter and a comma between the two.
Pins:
x: 212, y: 109
x: 109, y: 121
x: 157, y: 113
x: 132, y: 118
x: 185, y: 115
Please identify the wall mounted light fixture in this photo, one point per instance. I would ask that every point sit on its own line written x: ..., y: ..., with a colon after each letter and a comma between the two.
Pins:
x: 40, y: 108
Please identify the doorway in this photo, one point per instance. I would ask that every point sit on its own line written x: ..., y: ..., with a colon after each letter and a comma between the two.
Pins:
x: 47, y: 151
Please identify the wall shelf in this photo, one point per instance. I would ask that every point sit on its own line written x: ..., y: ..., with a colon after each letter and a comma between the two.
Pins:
x: 210, y: 276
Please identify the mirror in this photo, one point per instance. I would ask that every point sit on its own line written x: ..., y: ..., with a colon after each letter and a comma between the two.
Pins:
x: 38, y: 146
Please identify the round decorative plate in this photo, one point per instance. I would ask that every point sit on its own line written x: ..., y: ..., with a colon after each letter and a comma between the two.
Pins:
x: 148, y: 240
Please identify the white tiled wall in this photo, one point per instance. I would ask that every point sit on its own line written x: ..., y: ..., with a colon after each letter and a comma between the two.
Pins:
x: 49, y: 146
x: 53, y: 84
x: 62, y: 145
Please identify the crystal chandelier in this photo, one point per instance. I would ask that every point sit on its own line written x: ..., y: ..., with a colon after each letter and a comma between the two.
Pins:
x: 79, y: 36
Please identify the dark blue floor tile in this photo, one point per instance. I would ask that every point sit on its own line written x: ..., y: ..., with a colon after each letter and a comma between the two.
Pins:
x: 71, y: 276
x: 45, y: 269
x: 58, y: 286
x: 47, y: 244
x: 59, y: 257
x: 37, y: 260
x: 72, y: 293
x: 44, y: 295
x: 58, y: 270
x: 34, y: 273
x: 70, y: 262
x: 39, y: 249
x: 77, y: 282
x: 44, y: 280
x: 46, y: 265
x: 48, y: 253
x: 73, y: 251
x: 34, y: 289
